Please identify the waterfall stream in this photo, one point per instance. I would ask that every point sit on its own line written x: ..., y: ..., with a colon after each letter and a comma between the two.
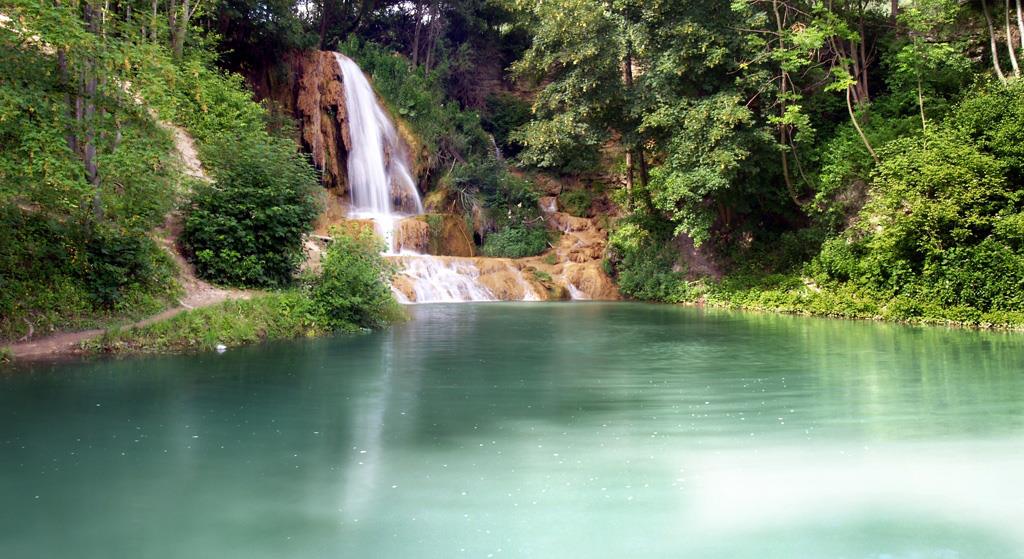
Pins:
x: 384, y: 192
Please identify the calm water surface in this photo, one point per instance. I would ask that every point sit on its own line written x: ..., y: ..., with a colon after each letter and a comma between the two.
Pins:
x: 518, y: 430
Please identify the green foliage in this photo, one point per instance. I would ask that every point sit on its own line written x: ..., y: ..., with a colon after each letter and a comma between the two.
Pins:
x: 353, y: 287
x: 943, y: 224
x: 560, y: 144
x: 710, y: 149
x: 274, y: 316
x: 940, y: 240
x: 577, y: 202
x: 505, y: 113
x: 845, y: 167
x: 542, y: 276
x: 350, y: 293
x: 246, y: 228
x: 446, y: 132
x: 60, y: 274
x: 118, y: 260
x: 510, y: 203
x: 643, y: 262
x: 929, y: 227
x: 577, y: 53
x: 213, y: 105
x: 85, y: 172
x: 516, y: 241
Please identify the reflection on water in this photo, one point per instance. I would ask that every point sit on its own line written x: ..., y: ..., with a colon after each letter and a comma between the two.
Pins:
x: 600, y: 430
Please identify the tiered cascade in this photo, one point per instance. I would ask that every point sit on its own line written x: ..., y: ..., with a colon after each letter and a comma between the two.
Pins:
x: 382, y: 190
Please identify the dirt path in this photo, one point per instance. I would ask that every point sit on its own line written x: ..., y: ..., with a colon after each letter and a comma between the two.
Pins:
x: 197, y: 293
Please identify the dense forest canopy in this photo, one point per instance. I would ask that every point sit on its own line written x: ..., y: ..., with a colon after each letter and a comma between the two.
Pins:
x: 862, y: 156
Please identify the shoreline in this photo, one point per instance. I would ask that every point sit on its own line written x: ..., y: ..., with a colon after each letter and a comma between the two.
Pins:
x: 124, y: 340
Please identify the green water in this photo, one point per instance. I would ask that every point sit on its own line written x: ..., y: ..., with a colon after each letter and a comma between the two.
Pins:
x: 529, y: 430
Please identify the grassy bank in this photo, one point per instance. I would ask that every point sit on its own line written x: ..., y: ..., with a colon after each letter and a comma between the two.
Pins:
x: 793, y: 294
x: 350, y: 293
x: 274, y: 316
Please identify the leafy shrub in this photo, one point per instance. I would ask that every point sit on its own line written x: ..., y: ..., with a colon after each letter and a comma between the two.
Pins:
x: 647, y: 275
x: 119, y: 259
x: 64, y: 274
x: 353, y: 287
x: 246, y: 228
x: 577, y: 202
x: 516, y: 242
x: 561, y: 144
x: 942, y: 233
x: 213, y: 104
x: 504, y: 113
x: 643, y: 262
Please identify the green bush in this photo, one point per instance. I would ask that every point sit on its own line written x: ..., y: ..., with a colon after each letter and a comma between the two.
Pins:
x: 118, y: 259
x: 353, y: 287
x: 561, y: 145
x: 643, y: 262
x: 504, y: 113
x: 516, y: 242
x: 64, y: 274
x: 577, y: 202
x: 246, y: 228
x: 941, y: 236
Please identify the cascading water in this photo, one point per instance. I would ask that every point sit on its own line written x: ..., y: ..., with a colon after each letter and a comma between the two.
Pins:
x: 378, y: 170
x: 384, y: 191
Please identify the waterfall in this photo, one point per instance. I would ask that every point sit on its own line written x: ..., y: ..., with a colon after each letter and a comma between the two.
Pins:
x: 378, y: 163
x: 384, y: 191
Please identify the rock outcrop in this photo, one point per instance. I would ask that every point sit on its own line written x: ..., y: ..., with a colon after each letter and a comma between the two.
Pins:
x: 318, y: 104
x: 575, y: 262
x: 437, y: 234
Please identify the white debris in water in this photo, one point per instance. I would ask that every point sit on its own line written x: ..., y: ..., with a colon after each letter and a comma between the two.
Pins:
x: 221, y: 348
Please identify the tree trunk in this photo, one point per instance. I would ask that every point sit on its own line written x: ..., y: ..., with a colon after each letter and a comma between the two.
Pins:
x: 865, y: 89
x: 433, y: 32
x: 783, y: 127
x: 992, y: 42
x: 627, y: 78
x: 853, y: 118
x: 1020, y: 26
x: 416, y: 34
x: 182, y: 30
x: 152, y: 21
x: 87, y: 114
x: 1009, y: 43
x: 323, y: 24
x: 172, y: 21
x: 70, y: 101
x: 629, y: 179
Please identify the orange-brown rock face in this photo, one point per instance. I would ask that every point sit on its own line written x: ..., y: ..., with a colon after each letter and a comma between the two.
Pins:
x: 333, y: 214
x: 574, y: 264
x: 438, y: 234
x: 320, y: 108
x: 412, y: 234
